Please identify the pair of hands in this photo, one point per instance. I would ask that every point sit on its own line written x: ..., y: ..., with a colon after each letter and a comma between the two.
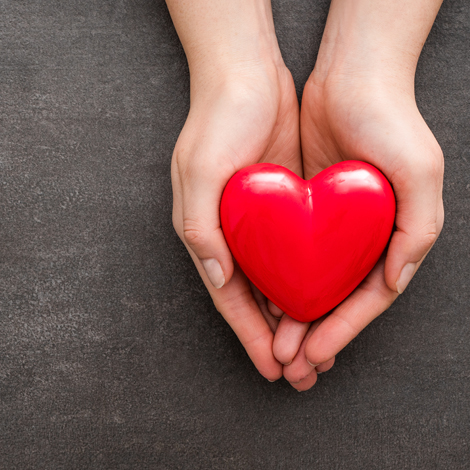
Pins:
x: 247, y: 112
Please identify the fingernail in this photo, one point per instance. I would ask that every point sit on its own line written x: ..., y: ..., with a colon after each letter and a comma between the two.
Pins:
x: 271, y: 380
x: 287, y: 364
x: 313, y: 365
x: 214, y: 272
x: 405, y: 277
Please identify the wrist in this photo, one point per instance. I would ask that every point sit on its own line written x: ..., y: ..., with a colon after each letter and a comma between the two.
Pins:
x: 376, y: 44
x: 256, y: 81
x: 348, y: 64
x: 233, y: 39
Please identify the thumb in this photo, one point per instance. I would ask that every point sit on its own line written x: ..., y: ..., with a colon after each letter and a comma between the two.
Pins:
x: 419, y: 219
x: 202, y: 231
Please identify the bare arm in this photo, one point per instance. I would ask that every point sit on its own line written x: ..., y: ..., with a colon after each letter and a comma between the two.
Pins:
x: 375, y: 37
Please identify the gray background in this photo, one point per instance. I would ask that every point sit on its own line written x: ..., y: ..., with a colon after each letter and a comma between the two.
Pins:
x: 112, y: 355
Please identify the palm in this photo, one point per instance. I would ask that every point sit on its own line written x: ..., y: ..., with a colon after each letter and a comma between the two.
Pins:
x: 339, y: 126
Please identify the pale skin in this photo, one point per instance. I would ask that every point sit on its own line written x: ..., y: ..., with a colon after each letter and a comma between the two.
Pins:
x: 357, y: 104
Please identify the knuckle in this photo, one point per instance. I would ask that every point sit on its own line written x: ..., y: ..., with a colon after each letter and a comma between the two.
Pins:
x: 261, y: 338
x: 200, y: 231
x: 193, y: 163
x: 428, y: 236
x: 380, y: 291
x: 193, y: 236
x: 434, y: 166
x: 181, y: 163
x: 196, y: 234
x: 237, y: 302
x: 429, y: 239
x: 186, y: 171
x: 349, y: 325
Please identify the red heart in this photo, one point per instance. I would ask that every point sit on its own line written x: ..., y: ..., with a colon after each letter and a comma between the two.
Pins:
x: 306, y: 245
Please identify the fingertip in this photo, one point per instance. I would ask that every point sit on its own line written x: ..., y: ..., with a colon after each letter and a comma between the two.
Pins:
x: 394, y: 260
x: 205, y: 238
x: 314, y: 352
x: 297, y: 372
x: 214, y: 272
x: 306, y: 383
x: 228, y: 266
x: 219, y: 269
x: 326, y: 366
x: 402, y: 262
x: 405, y: 276
x: 240, y: 309
x: 284, y: 357
x: 288, y: 338
x: 274, y: 310
x: 261, y: 353
x: 271, y: 372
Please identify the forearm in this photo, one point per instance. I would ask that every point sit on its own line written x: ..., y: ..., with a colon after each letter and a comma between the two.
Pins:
x: 376, y: 38
x: 220, y: 36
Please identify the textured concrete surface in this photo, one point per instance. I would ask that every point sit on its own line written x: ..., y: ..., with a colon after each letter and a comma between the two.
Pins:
x: 111, y: 353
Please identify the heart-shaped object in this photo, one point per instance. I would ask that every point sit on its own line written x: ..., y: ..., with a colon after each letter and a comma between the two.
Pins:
x: 306, y: 245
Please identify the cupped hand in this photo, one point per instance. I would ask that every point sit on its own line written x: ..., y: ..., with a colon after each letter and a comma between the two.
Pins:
x: 237, y: 118
x: 352, y: 118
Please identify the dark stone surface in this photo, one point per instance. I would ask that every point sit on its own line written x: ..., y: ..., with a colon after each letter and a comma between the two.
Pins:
x: 111, y: 353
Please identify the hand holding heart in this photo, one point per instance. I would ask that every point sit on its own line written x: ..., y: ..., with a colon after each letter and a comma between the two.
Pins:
x: 232, y: 124
x: 244, y: 111
x: 389, y: 133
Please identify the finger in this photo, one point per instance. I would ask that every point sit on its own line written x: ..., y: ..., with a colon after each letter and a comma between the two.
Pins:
x: 261, y: 300
x: 419, y: 219
x: 288, y: 338
x: 326, y: 366
x: 237, y: 305
x: 274, y: 309
x: 307, y: 383
x: 367, y: 302
x: 202, y: 187
x: 299, y: 369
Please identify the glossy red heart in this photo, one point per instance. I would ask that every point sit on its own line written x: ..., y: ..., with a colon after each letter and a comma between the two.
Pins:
x: 307, y: 244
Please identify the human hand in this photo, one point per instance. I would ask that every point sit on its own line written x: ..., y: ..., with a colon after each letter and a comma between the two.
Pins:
x: 244, y: 110
x: 249, y: 116
x: 359, y: 104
